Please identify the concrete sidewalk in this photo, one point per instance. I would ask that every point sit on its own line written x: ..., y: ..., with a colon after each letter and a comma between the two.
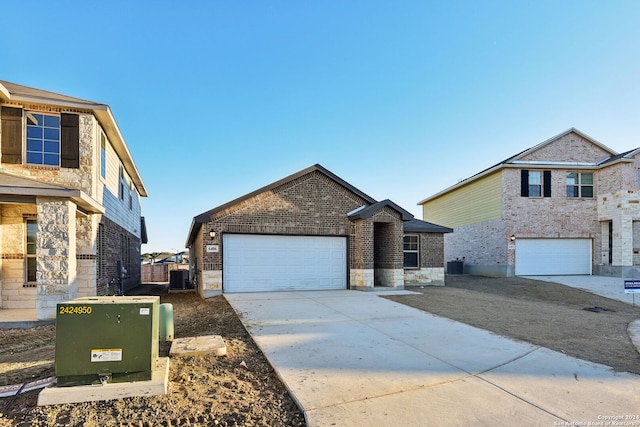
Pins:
x: 352, y: 358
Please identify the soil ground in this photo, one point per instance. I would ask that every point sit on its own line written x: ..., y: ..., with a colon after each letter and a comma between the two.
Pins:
x: 542, y: 313
x: 241, y: 388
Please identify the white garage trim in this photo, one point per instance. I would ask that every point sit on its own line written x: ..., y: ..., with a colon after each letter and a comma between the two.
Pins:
x: 254, y: 263
x: 536, y: 257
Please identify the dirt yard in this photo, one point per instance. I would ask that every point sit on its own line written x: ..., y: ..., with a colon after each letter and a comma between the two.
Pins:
x: 241, y: 388
x: 542, y: 313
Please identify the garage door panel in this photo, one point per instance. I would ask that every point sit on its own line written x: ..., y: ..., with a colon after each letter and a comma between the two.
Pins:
x: 253, y: 263
x: 553, y: 257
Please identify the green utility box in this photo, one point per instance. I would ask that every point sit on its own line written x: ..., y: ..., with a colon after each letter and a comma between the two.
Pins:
x: 106, y: 339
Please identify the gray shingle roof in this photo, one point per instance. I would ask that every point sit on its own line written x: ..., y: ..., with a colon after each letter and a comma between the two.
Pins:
x: 368, y: 211
x: 419, y: 226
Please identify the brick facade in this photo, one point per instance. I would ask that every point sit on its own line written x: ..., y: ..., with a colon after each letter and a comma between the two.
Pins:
x: 487, y: 247
x: 311, y: 204
x: 119, y: 244
x: 290, y: 209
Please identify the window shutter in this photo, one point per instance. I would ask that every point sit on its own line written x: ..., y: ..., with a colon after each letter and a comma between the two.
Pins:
x: 11, y: 135
x: 524, y: 183
x: 70, y: 140
x: 546, y: 181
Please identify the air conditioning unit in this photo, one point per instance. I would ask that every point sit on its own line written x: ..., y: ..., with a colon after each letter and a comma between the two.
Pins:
x: 178, y: 279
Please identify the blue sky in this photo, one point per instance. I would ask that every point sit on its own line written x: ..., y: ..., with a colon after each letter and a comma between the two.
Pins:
x: 401, y: 99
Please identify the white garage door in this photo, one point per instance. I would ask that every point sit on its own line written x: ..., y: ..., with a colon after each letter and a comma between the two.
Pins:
x: 535, y: 257
x: 253, y: 263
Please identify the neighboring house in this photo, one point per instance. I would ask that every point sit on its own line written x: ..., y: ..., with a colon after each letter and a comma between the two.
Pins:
x: 168, y: 258
x: 311, y: 231
x: 69, y: 200
x: 569, y: 205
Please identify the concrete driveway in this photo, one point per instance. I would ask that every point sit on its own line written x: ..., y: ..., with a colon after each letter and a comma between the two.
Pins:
x: 352, y: 358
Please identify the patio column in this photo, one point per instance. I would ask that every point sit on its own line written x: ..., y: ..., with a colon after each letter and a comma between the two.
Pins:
x: 55, y: 254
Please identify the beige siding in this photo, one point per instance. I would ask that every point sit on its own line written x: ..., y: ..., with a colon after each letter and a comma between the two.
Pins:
x: 113, y: 170
x: 478, y: 201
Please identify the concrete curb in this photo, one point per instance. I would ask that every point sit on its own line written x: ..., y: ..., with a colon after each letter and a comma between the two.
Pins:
x: 634, y: 333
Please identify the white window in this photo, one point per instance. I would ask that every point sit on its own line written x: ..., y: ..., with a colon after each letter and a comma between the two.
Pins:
x: 579, y: 184
x: 411, y: 251
x: 535, y: 184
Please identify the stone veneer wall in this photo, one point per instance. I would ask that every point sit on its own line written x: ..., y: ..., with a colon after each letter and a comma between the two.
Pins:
x: 389, y: 277
x: 424, y: 276
x: 56, y: 255
x: 622, y: 208
x: 361, y: 278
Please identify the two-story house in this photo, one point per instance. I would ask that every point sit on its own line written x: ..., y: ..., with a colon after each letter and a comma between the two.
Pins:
x: 569, y: 205
x: 70, y: 210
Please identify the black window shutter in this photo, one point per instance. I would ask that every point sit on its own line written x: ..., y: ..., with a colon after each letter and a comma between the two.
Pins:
x: 547, y: 183
x: 70, y: 140
x: 524, y: 183
x: 11, y: 135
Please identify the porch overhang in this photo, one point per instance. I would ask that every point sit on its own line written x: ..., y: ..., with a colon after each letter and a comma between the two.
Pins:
x: 22, y: 190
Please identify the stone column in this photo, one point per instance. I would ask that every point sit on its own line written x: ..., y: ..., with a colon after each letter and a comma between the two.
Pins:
x: 56, y: 255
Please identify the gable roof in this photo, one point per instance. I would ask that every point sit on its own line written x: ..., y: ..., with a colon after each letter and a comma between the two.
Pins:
x: 628, y: 155
x: 555, y: 138
x: 514, y: 160
x: 12, y: 92
x: 365, y: 211
x: 205, y: 217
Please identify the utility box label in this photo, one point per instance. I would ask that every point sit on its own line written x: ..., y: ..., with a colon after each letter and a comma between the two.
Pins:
x: 145, y: 311
x: 106, y: 355
x: 632, y: 286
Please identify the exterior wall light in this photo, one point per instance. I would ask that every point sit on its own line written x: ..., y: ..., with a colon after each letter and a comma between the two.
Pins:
x: 212, y: 234
x: 512, y: 238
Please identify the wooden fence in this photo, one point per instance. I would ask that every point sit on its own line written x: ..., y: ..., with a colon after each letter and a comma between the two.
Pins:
x: 159, y: 273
